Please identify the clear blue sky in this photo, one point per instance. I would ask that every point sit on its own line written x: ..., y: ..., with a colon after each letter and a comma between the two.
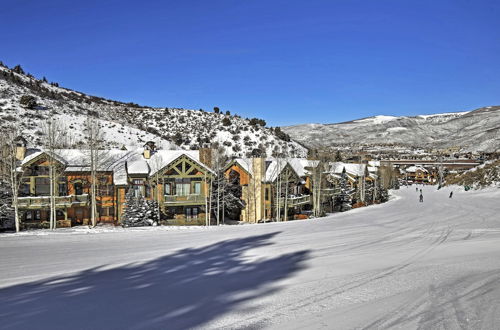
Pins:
x: 286, y: 61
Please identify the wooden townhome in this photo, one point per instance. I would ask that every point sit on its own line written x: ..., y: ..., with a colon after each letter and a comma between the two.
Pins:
x: 272, y: 184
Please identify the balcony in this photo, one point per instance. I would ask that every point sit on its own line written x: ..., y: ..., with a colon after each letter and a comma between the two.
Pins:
x: 293, y: 201
x: 36, y: 202
x: 184, y: 200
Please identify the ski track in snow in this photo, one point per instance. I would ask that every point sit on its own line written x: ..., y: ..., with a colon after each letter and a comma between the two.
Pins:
x: 402, y: 265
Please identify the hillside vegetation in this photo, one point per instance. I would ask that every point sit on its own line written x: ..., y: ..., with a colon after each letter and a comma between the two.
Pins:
x: 27, y: 102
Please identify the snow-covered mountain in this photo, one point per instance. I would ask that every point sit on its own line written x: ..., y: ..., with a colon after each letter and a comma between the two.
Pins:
x: 128, y: 124
x: 477, y: 130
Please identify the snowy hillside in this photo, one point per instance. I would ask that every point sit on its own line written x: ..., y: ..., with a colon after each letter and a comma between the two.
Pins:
x: 128, y: 124
x: 477, y: 130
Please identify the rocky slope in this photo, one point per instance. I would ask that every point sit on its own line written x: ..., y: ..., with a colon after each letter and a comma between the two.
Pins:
x: 128, y: 124
x: 477, y: 130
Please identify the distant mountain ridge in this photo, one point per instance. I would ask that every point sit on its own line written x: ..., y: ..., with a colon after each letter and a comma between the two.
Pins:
x: 131, y: 125
x: 477, y: 130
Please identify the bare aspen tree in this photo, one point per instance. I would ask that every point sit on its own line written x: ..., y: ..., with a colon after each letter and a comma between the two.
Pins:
x: 278, y: 189
x: 55, y: 137
x: 220, y: 184
x: 317, y: 187
x: 288, y: 174
x: 207, y: 193
x: 11, y: 172
x: 157, y: 163
x: 94, y: 144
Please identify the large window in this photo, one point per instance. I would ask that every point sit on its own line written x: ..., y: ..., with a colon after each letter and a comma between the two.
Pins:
x: 167, y: 189
x: 191, y: 212
x: 197, y: 188
x: 63, y: 186
x: 24, y: 189
x: 42, y: 186
x: 137, y: 186
x: 182, y: 187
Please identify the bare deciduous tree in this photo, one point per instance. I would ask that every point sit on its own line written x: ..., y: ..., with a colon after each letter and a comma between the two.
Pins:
x: 11, y: 172
x: 94, y: 141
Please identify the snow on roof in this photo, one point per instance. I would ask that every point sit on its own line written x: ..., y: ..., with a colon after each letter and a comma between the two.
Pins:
x: 274, y: 169
x: 301, y: 165
x: 298, y: 165
x: 413, y: 169
x: 244, y: 163
x: 275, y: 166
x: 352, y: 169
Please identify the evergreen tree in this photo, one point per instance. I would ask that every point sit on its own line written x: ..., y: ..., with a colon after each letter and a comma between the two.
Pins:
x: 343, y: 200
x: 338, y: 156
x: 139, y: 211
x: 18, y: 69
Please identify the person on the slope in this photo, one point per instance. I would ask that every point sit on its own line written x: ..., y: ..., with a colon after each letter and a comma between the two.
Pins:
x: 451, y: 194
x: 421, y: 198
x: 416, y: 189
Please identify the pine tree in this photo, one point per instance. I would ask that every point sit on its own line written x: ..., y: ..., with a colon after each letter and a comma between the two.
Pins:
x: 18, y: 69
x: 338, y: 156
x: 139, y: 211
x: 343, y: 200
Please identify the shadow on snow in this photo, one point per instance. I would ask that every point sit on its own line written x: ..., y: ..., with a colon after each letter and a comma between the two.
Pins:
x: 182, y: 290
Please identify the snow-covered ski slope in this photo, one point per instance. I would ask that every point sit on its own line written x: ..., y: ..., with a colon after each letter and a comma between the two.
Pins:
x: 404, y: 264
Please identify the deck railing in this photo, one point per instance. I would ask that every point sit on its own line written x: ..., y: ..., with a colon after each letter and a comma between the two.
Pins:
x: 293, y: 201
x: 44, y: 201
x: 187, y: 199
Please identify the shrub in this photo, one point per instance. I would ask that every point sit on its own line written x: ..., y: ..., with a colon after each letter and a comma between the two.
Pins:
x: 28, y: 101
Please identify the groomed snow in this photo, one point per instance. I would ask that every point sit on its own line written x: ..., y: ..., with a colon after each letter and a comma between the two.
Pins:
x: 403, y: 264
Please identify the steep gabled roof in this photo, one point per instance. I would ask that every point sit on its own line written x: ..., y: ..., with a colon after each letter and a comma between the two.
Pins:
x: 163, y: 158
x: 244, y: 163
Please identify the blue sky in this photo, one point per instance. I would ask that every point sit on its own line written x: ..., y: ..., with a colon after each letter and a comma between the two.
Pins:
x: 287, y: 62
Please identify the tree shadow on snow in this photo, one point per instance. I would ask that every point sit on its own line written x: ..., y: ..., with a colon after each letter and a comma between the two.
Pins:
x: 183, y: 290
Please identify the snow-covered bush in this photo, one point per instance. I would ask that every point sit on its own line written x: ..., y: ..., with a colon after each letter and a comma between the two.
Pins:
x: 139, y: 212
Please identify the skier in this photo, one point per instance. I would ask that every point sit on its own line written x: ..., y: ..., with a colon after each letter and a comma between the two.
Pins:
x: 421, y: 198
x: 451, y: 194
x: 416, y: 189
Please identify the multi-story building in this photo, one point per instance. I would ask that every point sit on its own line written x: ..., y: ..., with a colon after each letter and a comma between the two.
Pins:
x: 269, y: 183
x: 180, y: 183
x: 177, y: 180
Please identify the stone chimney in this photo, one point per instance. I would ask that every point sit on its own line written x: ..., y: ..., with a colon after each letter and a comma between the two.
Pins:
x: 205, y: 154
x: 149, y: 149
x: 21, y: 144
x: 255, y: 195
